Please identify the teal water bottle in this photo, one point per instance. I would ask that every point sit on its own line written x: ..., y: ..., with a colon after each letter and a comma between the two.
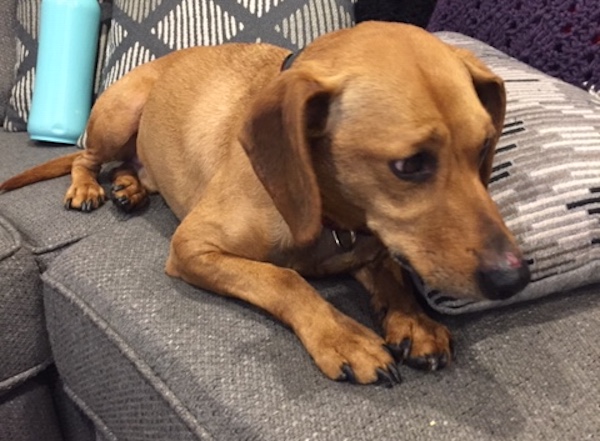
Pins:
x: 64, y: 76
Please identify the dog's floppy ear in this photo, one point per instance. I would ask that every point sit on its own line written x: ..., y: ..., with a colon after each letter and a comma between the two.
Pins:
x: 288, y: 113
x: 491, y: 92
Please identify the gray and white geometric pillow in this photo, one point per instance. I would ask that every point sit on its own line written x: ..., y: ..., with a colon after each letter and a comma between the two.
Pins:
x: 28, y: 15
x: 17, y: 109
x: 143, y: 30
x: 546, y: 178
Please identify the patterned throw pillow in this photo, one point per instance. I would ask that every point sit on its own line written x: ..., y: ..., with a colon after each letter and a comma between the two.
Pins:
x: 143, y: 30
x: 8, y: 54
x: 546, y: 178
x: 28, y: 11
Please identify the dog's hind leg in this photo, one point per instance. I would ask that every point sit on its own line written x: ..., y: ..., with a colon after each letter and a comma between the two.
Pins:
x: 111, y: 136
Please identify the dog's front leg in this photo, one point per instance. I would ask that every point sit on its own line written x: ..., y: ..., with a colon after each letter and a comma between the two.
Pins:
x: 342, y: 348
x: 85, y: 193
x: 412, y: 336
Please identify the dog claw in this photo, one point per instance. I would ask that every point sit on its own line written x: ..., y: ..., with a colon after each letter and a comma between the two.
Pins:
x: 121, y: 202
x: 385, y: 379
x: 393, y: 369
x: 401, y: 351
x: 68, y: 204
x: 347, y: 374
x: 116, y: 187
x: 443, y: 361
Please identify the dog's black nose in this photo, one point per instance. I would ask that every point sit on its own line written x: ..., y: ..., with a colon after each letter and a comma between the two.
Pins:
x: 504, y: 278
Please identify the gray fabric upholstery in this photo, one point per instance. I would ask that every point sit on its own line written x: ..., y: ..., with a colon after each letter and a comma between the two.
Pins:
x: 24, y: 348
x: 37, y: 209
x: 27, y: 413
x: 26, y: 407
x: 74, y: 424
x: 152, y: 356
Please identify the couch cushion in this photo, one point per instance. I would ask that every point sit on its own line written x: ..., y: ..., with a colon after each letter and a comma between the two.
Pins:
x: 27, y: 412
x: 24, y: 347
x: 546, y: 178
x: 144, y: 353
x: 37, y: 212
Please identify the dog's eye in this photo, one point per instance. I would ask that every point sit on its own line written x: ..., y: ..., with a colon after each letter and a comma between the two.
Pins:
x: 416, y: 168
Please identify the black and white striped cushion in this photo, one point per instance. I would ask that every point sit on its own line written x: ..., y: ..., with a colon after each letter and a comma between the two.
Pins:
x: 17, y: 109
x: 546, y: 178
x: 143, y: 30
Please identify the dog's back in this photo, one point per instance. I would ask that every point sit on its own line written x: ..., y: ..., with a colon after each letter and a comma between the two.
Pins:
x: 208, y: 114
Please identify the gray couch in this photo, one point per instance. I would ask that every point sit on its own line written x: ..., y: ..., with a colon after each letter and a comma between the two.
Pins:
x: 97, y: 343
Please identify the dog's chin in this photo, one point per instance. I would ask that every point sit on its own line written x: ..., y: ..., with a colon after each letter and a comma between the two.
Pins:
x: 428, y: 291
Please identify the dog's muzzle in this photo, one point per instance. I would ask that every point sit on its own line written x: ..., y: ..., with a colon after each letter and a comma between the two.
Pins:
x: 502, y: 280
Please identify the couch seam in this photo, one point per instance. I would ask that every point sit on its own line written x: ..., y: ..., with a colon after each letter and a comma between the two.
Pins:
x: 98, y: 421
x: 143, y: 368
x: 22, y: 377
x: 14, y: 235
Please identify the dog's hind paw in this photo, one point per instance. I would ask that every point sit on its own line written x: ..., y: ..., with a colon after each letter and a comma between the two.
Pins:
x: 128, y: 194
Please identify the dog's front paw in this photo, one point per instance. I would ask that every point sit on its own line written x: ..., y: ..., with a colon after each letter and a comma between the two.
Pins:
x: 85, y: 197
x: 345, y: 350
x: 418, y: 341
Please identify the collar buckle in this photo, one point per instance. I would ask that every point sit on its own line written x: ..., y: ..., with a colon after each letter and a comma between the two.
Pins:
x: 344, y: 239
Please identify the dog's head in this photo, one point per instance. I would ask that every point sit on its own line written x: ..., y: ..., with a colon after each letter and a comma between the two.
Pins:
x: 386, y: 126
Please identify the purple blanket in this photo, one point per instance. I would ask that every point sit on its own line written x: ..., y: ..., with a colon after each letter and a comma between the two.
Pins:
x: 561, y: 38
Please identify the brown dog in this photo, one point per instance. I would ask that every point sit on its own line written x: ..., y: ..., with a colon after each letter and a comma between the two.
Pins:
x: 369, y: 155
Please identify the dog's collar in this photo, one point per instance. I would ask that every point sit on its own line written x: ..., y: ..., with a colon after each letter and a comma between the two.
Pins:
x: 289, y: 60
x: 343, y: 238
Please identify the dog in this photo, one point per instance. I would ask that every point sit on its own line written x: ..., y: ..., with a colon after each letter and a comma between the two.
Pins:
x: 368, y: 153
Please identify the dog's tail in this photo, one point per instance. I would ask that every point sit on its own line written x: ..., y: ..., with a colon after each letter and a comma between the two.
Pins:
x: 52, y: 169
